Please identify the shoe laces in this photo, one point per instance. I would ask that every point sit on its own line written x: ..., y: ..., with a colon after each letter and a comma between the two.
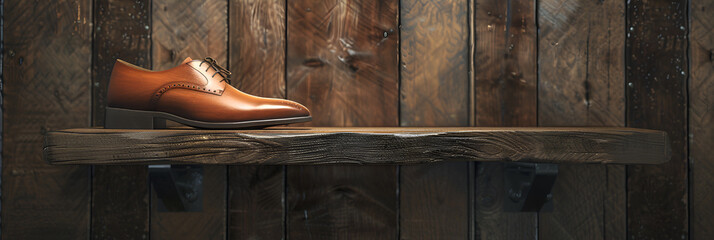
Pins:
x: 219, y: 70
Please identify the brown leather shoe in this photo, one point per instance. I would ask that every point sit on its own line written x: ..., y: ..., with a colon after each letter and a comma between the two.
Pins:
x: 196, y: 93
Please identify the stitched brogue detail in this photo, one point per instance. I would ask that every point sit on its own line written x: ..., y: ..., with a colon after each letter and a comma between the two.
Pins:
x: 183, y: 85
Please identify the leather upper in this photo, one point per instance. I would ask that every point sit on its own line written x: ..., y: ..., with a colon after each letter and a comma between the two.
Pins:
x: 192, y: 90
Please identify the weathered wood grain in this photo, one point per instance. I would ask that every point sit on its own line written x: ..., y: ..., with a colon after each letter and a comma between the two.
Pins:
x: 120, y: 194
x: 256, y: 204
x: 181, y: 29
x: 195, y: 29
x: 434, y: 52
x: 257, y: 46
x: 2, y: 57
x: 581, y: 83
x: 505, y: 77
x: 276, y: 146
x: 342, y: 202
x: 701, y: 118
x: 120, y: 202
x: 342, y: 60
x: 505, y: 95
x: 122, y: 30
x: 47, y: 72
x: 433, y: 199
x: 210, y: 223
x: 471, y: 173
x: 490, y: 215
x: 656, y: 73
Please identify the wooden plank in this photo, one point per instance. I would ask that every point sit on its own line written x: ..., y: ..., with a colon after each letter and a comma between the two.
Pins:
x: 701, y: 119
x: 120, y: 194
x: 257, y: 46
x: 433, y: 201
x: 505, y: 95
x: 339, y: 202
x: 615, y: 209
x: 505, y: 78
x: 210, y: 223
x: 656, y: 73
x: 471, y: 172
x: 43, y: 91
x: 120, y: 202
x: 581, y: 56
x: 304, y: 146
x: 256, y: 206
x: 194, y: 29
x: 434, y: 53
x: 256, y: 203
x: 490, y: 216
x: 122, y: 30
x: 181, y: 29
x: 342, y: 60
x: 2, y: 57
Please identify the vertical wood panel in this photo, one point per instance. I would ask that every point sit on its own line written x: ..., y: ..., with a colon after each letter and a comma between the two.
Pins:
x: 210, y: 223
x: 434, y: 201
x: 195, y: 29
x: 505, y: 87
x: 434, y: 92
x: 505, y: 80
x: 581, y: 83
x: 434, y: 64
x: 257, y: 46
x: 615, y: 199
x: 342, y: 64
x: 46, y: 70
x: 701, y: 118
x: 120, y: 199
x: 122, y: 30
x: 120, y: 202
x: 2, y: 57
x: 656, y: 71
x: 256, y: 204
x: 341, y: 202
x: 257, y: 56
x: 342, y: 61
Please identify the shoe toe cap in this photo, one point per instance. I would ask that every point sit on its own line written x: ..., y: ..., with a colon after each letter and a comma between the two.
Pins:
x: 294, y: 109
x: 281, y: 108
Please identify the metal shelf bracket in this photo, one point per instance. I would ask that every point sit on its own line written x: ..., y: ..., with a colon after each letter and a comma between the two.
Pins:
x: 179, y: 188
x: 528, y: 186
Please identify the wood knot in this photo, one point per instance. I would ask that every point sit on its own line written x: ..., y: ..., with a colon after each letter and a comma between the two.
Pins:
x: 313, y: 62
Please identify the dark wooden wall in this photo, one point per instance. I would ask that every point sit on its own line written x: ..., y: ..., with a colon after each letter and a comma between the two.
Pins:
x: 631, y: 63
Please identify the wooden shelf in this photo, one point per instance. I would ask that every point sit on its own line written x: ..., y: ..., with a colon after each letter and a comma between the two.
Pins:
x: 310, y: 146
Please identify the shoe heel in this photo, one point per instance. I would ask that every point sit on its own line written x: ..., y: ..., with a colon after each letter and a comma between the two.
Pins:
x: 117, y: 118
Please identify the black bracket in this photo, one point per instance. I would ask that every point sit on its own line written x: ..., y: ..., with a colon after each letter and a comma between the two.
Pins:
x: 528, y: 186
x: 179, y: 188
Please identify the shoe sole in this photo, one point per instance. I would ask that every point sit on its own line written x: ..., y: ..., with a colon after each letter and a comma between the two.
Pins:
x: 119, y: 118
